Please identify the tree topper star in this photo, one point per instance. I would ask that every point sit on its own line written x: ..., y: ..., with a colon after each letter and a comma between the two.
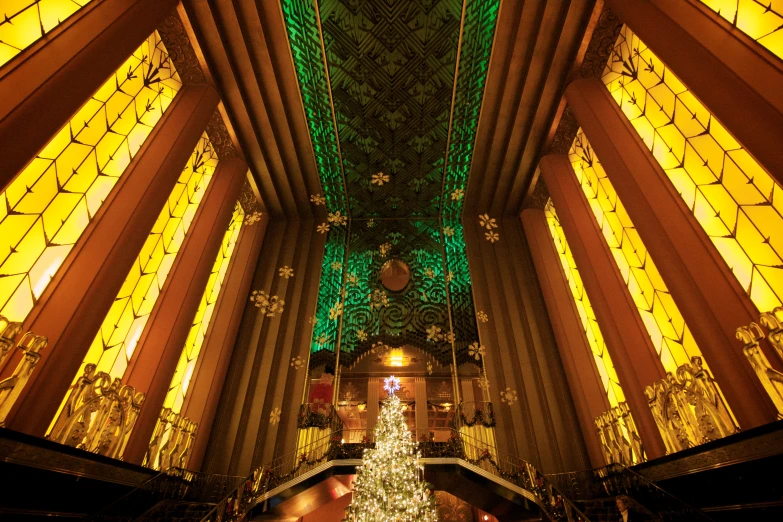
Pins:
x: 391, y: 384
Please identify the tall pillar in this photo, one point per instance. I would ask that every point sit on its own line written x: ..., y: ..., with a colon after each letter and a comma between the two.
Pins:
x: 160, y: 346
x: 738, y: 80
x: 75, y: 303
x: 206, y: 383
x: 583, y: 379
x: 467, y: 390
x: 422, y: 421
x: 373, y: 396
x: 632, y: 352
x: 44, y: 86
x: 711, y: 300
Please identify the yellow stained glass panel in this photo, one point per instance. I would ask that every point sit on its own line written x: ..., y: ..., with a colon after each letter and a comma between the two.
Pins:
x: 595, y: 338
x: 664, y: 323
x: 23, y: 22
x: 761, y: 20
x: 114, y: 346
x: 198, y: 330
x: 734, y: 199
x: 48, y: 205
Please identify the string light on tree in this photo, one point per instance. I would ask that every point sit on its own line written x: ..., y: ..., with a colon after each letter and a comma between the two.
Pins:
x: 389, y: 485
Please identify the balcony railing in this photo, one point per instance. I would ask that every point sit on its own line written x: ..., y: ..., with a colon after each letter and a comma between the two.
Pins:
x: 265, y: 479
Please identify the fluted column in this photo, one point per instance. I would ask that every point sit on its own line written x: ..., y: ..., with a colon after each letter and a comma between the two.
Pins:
x: 160, y: 346
x: 583, y: 379
x: 738, y: 80
x: 711, y: 300
x: 422, y: 422
x: 41, y: 88
x: 75, y: 303
x: 631, y: 349
x: 373, y: 396
x: 206, y: 383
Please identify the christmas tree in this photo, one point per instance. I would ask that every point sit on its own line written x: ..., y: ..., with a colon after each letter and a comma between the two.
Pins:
x: 388, y: 485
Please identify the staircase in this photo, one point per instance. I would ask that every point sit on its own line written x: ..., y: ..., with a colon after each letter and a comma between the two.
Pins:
x: 596, y: 490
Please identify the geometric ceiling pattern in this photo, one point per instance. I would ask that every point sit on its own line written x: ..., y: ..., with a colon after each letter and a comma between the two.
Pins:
x: 379, y: 81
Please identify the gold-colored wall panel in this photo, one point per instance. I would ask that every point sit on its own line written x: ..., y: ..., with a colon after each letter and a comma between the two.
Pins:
x: 662, y: 319
x: 595, y: 338
x: 735, y: 200
x: 761, y: 20
x: 190, y: 352
x: 113, y: 347
x: 26, y: 21
x: 47, y: 207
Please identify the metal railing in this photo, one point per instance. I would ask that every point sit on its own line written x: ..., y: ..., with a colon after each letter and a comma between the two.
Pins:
x: 458, y: 445
x: 175, y: 484
x: 613, y: 480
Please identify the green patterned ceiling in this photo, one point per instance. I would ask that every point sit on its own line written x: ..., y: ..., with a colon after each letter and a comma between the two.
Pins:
x: 383, y: 102
x: 401, y: 98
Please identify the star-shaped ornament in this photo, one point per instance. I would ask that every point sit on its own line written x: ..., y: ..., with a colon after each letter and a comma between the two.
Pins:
x: 391, y: 384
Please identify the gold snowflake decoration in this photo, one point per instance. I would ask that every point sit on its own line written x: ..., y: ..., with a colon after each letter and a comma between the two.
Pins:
x: 336, y: 218
x: 449, y: 276
x: 429, y: 272
x: 274, y: 416
x: 321, y: 339
x: 371, y: 223
x: 384, y: 248
x: 352, y: 280
x: 337, y: 265
x: 483, y: 383
x: 449, y: 337
x: 482, y: 316
x: 252, y: 218
x: 313, y: 320
x: 487, y: 222
x: 448, y: 231
x: 323, y: 228
x: 297, y: 362
x: 361, y: 335
x: 433, y: 333
x: 336, y: 311
x: 429, y: 368
x: 492, y: 236
x: 286, y: 272
x: 457, y: 194
x: 508, y: 396
x: 380, y: 178
x: 378, y: 299
x: 476, y: 351
x: 269, y: 305
x: 318, y: 199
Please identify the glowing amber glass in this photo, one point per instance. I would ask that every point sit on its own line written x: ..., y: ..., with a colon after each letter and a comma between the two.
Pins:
x: 595, y: 338
x: 664, y: 323
x: 45, y: 209
x: 198, y: 330
x: 113, y: 347
x: 761, y: 20
x: 734, y: 199
x: 25, y: 21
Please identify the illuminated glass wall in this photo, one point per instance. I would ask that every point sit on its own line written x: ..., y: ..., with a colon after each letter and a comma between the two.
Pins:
x: 198, y: 330
x: 22, y: 22
x: 595, y: 338
x: 113, y: 347
x: 762, y: 20
x: 664, y: 323
x: 733, y: 198
x: 47, y: 207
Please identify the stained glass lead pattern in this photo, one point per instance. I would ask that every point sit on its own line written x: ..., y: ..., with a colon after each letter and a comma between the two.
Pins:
x: 48, y: 205
x: 734, y: 199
